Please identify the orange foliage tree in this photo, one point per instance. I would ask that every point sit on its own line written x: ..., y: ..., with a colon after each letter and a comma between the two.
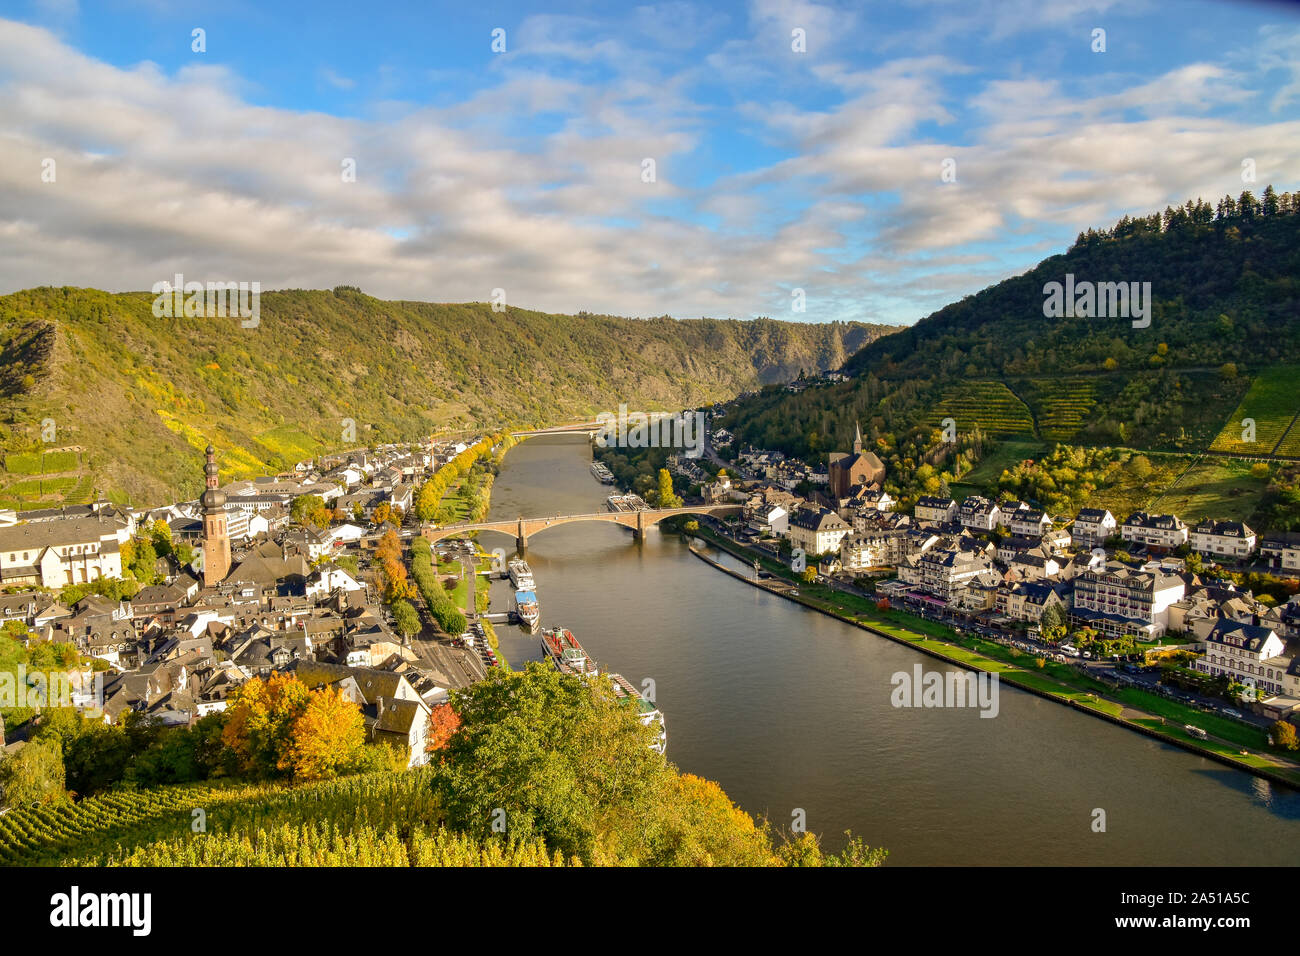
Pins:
x: 443, y: 722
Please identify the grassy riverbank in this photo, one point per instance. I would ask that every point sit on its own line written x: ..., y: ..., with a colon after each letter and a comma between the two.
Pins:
x: 1135, y: 709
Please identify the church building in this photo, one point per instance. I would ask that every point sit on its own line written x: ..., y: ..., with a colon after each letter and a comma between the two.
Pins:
x: 859, y: 468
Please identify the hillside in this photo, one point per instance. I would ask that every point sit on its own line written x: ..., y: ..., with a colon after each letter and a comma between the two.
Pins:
x: 128, y: 399
x: 1224, y: 324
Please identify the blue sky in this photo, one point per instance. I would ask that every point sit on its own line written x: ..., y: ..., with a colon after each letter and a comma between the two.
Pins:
x: 775, y: 169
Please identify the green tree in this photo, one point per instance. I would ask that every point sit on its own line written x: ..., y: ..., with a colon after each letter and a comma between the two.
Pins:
x: 406, y: 618
x: 35, y: 774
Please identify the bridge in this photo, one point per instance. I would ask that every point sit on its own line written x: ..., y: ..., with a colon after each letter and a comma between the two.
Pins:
x: 589, y: 428
x: 524, y: 528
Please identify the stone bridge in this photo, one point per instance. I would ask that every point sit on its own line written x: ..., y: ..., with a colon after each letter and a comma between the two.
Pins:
x: 524, y: 528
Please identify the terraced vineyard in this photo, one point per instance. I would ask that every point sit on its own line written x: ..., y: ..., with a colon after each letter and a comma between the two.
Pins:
x: 1063, y: 405
x: 1289, y: 446
x: 991, y: 405
x: 1272, y: 401
x: 44, y: 833
x: 379, y: 819
x: 44, y: 480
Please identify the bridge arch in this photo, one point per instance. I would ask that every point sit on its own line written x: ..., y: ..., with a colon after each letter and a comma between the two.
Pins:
x: 524, y: 528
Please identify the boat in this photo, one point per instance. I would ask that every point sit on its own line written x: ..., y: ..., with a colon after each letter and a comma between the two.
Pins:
x: 527, y: 608
x: 521, y: 575
x: 565, y: 653
x: 602, y: 473
x: 650, y: 714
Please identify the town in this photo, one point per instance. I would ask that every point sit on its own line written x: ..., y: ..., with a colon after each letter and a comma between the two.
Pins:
x: 1120, y: 595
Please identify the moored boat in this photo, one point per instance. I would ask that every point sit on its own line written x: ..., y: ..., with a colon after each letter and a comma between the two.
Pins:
x: 527, y: 607
x: 651, y: 716
x: 521, y: 575
x: 565, y: 653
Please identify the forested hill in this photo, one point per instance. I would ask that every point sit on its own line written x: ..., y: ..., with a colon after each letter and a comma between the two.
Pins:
x: 132, y: 398
x: 1245, y: 264
x: 1226, y: 315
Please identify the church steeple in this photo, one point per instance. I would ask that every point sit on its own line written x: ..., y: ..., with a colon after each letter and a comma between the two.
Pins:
x: 216, y: 534
x: 857, y: 439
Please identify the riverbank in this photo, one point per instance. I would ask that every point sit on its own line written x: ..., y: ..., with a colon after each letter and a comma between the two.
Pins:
x: 1082, y: 693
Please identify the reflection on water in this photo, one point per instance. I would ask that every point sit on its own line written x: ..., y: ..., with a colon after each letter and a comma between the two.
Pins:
x: 789, y: 710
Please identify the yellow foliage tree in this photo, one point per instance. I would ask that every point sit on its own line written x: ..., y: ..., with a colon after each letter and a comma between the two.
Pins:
x: 325, y: 738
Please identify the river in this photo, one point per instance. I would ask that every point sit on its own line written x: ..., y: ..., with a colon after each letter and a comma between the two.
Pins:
x: 790, y: 711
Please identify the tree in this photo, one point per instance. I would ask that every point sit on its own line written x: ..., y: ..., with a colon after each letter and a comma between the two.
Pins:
x: 443, y: 723
x: 564, y: 760
x: 325, y: 738
x: 35, y: 774
x: 406, y: 618
x: 160, y: 534
x: 1284, y: 735
x: 260, y: 716
x: 310, y: 509
x: 1052, y: 624
x: 667, y: 499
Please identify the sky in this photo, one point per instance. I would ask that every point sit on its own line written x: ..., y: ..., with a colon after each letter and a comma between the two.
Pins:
x: 866, y: 161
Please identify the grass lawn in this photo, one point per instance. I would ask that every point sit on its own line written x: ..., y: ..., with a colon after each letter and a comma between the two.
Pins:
x: 983, y: 477
x: 1215, y: 487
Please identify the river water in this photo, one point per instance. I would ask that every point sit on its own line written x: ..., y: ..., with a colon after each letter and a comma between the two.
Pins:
x: 790, y: 711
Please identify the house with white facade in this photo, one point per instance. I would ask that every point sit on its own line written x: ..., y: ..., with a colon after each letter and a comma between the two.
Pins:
x: 1232, y: 540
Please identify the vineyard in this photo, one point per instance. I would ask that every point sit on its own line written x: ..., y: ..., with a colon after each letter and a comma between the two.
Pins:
x: 44, y: 480
x: 382, y: 819
x: 1273, y: 402
x: 1063, y: 406
x: 991, y: 405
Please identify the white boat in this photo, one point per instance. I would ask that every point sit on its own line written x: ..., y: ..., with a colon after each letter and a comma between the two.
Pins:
x: 521, y: 575
x: 650, y: 714
x: 527, y: 608
x: 602, y: 473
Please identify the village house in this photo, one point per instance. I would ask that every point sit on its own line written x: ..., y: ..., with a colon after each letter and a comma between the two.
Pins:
x: 817, y: 530
x: 60, y: 552
x: 1223, y: 539
x: 1092, y: 526
x: 978, y: 513
x: 1247, y: 653
x: 1160, y: 532
x: 937, y: 510
x: 1117, y: 600
x: 1280, y: 550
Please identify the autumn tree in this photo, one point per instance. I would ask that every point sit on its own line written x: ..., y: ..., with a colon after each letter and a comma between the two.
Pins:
x: 443, y: 722
x: 260, y: 715
x: 326, y: 738
x: 667, y: 498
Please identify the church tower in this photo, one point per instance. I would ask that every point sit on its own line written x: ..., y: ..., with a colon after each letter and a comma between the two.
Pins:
x: 216, y: 536
x: 857, y: 439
